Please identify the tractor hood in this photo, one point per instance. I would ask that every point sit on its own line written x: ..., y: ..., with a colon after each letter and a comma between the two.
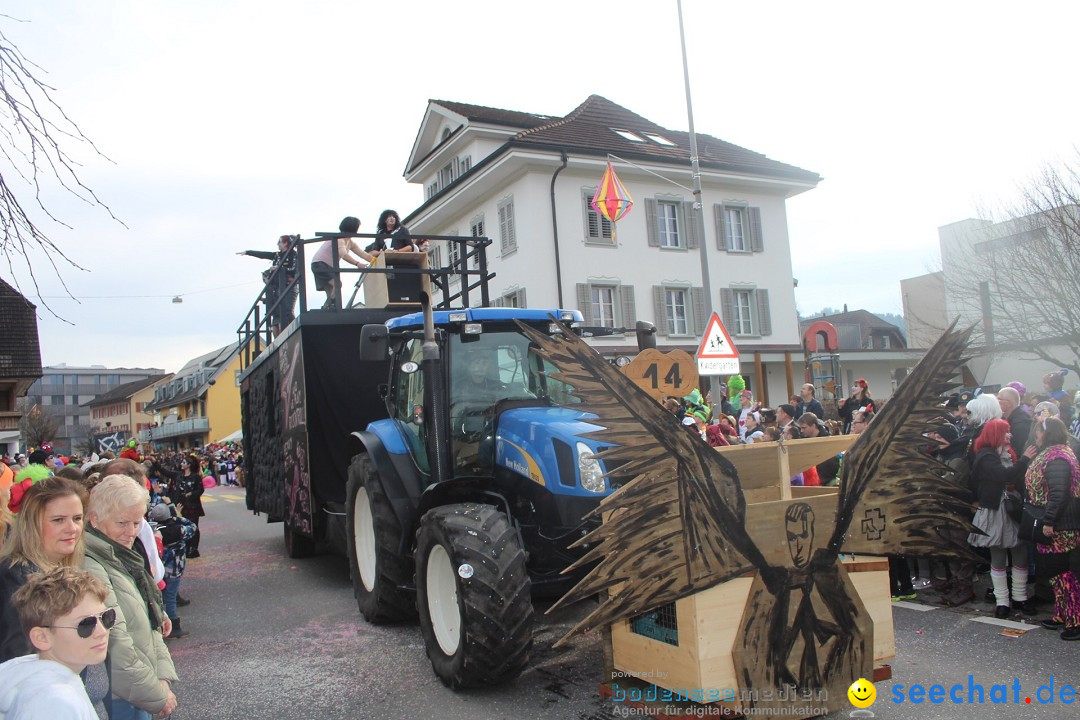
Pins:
x: 545, y: 444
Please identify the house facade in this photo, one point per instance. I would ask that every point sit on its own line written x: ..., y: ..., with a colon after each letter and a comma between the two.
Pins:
x: 122, y: 413
x: 870, y: 348
x: 20, y: 361
x: 526, y: 181
x: 198, y: 405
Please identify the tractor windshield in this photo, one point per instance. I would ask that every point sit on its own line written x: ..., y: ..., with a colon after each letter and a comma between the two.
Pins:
x: 485, y: 369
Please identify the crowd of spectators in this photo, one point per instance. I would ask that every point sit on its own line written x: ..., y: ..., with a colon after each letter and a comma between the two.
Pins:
x: 91, y: 561
x: 1015, y: 452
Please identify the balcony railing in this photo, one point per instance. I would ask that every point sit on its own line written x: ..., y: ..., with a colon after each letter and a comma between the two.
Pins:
x: 189, y: 426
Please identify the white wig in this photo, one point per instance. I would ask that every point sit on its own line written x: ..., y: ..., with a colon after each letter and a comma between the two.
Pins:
x: 983, y: 409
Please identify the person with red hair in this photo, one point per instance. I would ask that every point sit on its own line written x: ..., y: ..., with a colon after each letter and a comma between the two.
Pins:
x: 995, y: 470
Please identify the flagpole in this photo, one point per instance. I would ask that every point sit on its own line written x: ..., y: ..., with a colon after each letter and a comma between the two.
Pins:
x: 699, y: 208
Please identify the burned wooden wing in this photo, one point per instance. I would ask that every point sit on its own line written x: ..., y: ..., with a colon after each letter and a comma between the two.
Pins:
x: 894, y: 499
x: 677, y: 527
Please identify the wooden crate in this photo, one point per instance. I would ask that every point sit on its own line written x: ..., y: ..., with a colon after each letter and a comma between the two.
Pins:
x: 377, y: 293
x: 708, y: 621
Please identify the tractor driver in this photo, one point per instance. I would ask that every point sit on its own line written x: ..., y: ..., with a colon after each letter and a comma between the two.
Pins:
x: 476, y: 388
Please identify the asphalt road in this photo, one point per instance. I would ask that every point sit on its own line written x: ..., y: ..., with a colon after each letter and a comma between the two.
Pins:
x: 282, y: 639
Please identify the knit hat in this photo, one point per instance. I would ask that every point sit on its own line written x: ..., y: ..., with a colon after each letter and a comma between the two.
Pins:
x: 38, y: 457
x: 1018, y: 387
x: 747, y: 394
x: 788, y: 409
x: 160, y: 512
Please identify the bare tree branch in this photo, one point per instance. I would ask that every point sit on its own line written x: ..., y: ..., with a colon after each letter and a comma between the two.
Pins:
x: 35, y: 133
x: 1021, y: 274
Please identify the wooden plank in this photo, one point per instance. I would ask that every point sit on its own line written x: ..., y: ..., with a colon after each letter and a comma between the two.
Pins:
x: 805, y: 491
x: 875, y: 592
x: 813, y: 451
x: 756, y: 464
x: 766, y: 526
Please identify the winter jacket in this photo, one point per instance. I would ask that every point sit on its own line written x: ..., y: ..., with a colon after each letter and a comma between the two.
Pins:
x: 38, y: 689
x: 989, y: 477
x: 1020, y: 427
x: 13, y: 642
x: 137, y: 650
x: 188, y: 495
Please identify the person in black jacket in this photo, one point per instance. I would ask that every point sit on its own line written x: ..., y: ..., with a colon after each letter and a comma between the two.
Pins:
x: 996, y: 469
x: 390, y: 234
x: 1019, y: 421
x: 279, y: 281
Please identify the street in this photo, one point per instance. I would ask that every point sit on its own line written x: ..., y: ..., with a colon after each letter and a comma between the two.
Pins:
x: 278, y: 638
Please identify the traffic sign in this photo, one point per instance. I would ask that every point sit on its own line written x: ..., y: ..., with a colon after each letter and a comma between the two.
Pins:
x: 717, y: 354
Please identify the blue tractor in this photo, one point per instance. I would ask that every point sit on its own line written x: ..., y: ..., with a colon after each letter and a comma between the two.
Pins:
x: 469, y: 493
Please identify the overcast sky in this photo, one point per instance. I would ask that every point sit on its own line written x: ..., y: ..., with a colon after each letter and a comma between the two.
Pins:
x: 229, y: 122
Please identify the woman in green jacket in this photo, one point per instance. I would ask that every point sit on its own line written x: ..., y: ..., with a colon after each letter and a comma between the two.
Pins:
x: 142, y: 669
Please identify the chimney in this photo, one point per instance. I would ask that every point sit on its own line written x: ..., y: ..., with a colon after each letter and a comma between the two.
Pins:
x: 845, y: 307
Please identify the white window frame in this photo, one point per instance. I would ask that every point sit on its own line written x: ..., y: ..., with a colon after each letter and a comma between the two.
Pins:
x: 604, y: 312
x: 664, y: 231
x: 744, y: 313
x: 739, y: 212
x: 670, y: 308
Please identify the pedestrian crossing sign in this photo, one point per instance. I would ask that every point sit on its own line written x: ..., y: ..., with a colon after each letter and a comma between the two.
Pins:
x: 717, y: 354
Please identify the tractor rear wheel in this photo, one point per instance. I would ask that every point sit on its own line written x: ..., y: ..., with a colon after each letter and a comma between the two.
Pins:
x: 377, y: 569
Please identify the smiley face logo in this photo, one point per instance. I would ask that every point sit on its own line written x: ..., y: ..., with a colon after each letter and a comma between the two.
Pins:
x: 862, y: 693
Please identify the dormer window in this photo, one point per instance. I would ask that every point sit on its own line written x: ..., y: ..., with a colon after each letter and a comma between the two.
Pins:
x: 627, y: 135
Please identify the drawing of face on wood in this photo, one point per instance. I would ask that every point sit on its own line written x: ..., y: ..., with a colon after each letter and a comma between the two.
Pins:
x: 800, y: 533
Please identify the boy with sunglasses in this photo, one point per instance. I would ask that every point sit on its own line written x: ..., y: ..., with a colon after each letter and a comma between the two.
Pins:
x: 63, y: 614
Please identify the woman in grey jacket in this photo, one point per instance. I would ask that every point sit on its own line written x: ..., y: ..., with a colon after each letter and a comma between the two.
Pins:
x: 142, y: 669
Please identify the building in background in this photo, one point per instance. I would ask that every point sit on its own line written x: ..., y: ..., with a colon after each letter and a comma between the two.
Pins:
x: 925, y: 316
x: 870, y: 348
x: 120, y: 414
x: 65, y: 391
x: 198, y: 405
x: 20, y: 361
x: 1013, y: 282
x: 526, y: 181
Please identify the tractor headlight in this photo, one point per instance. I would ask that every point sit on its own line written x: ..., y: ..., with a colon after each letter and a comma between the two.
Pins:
x: 592, y: 475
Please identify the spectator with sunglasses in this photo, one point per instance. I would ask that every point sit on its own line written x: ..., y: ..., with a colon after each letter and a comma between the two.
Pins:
x: 47, y: 533
x: 63, y: 613
x: 142, y: 670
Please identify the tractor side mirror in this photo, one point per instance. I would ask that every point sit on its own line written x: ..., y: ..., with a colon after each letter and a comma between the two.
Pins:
x: 374, y: 343
x: 646, y: 335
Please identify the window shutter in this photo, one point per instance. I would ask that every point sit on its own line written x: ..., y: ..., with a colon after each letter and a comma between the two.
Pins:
x: 584, y: 302
x: 629, y: 312
x: 650, y: 222
x: 660, y: 310
x: 721, y: 238
x: 507, y: 241
x: 764, y: 318
x: 757, y: 244
x: 691, y: 226
x: 727, y: 308
x: 592, y: 220
x: 697, y: 299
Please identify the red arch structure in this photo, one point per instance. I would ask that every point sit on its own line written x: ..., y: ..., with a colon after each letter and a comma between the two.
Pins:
x: 820, y: 330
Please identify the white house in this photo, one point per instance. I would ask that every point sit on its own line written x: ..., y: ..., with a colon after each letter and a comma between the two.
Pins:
x: 526, y: 180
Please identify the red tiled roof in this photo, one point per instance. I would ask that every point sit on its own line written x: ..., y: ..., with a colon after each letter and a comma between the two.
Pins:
x: 589, y: 128
x: 495, y: 116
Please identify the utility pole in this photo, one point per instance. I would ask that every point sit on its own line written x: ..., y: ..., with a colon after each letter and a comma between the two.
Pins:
x: 699, y: 208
